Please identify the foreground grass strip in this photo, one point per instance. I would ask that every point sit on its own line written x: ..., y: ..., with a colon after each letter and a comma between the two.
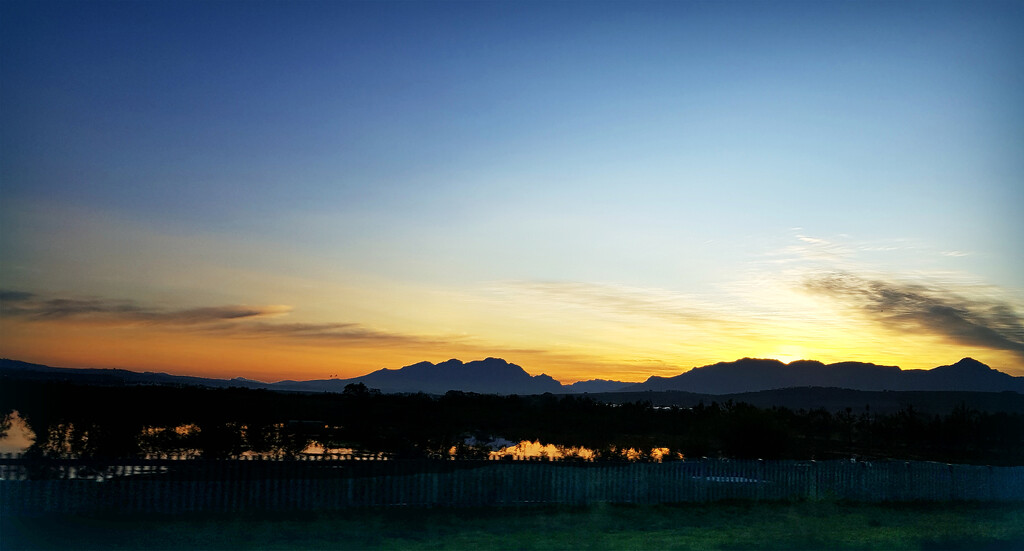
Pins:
x: 691, y: 526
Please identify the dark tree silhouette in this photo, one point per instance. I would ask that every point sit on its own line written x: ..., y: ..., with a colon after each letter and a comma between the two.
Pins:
x: 118, y: 421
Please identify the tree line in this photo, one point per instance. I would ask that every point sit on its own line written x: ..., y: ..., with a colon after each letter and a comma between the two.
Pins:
x: 120, y: 421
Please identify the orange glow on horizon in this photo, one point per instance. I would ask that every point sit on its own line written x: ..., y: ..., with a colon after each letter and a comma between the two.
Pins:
x: 183, y: 352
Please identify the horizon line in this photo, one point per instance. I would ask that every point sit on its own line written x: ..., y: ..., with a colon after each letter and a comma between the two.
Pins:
x: 649, y: 377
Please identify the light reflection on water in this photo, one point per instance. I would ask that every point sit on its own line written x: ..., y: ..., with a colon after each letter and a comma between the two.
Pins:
x: 318, y: 448
x: 19, y: 437
x: 156, y: 441
x: 528, y: 449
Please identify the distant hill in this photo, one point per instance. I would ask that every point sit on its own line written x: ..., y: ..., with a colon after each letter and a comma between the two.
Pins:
x: 752, y: 375
x: 595, y: 385
x: 116, y: 377
x: 489, y: 376
x: 834, y: 400
x: 497, y: 376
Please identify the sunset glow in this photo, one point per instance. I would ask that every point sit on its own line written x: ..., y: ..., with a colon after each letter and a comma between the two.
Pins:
x: 588, y: 190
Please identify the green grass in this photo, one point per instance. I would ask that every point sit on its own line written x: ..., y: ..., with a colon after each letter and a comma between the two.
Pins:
x: 719, y: 526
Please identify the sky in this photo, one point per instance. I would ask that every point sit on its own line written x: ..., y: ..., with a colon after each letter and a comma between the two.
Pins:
x: 305, y: 190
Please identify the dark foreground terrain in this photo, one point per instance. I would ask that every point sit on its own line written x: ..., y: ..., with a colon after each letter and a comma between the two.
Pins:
x: 117, y: 422
x: 747, y: 525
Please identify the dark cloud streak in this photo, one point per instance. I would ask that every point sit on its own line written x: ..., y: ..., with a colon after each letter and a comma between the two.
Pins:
x: 229, y: 320
x: 350, y: 333
x: 29, y: 305
x: 14, y: 296
x: 916, y: 308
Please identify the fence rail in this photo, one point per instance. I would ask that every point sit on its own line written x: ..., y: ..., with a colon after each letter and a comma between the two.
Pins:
x: 31, y: 485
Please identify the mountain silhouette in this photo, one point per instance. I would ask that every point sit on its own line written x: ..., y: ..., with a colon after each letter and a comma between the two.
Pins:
x: 753, y: 375
x: 116, y: 377
x: 489, y: 376
x: 497, y: 376
x: 595, y: 385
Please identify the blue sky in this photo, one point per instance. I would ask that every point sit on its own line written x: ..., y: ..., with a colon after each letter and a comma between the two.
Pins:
x: 411, y: 168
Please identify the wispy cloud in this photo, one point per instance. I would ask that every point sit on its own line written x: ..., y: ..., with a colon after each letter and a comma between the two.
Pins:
x: 846, y: 252
x: 244, y: 323
x: 14, y: 296
x: 324, y: 333
x: 222, y: 320
x: 813, y: 240
x: 32, y: 306
x: 806, y: 248
x: 983, y: 322
x: 620, y: 300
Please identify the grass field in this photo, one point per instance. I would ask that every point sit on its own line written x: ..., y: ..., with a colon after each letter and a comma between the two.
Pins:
x: 719, y: 526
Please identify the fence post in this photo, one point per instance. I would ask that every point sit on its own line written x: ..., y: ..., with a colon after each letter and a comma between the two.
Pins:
x: 760, y: 480
x: 991, y: 484
x: 907, y: 483
x: 814, y: 480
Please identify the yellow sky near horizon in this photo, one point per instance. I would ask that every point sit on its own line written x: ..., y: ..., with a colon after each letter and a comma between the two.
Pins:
x: 570, y: 331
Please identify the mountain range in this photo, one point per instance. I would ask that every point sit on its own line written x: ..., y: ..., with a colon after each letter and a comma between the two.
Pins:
x: 752, y: 375
x: 490, y: 376
x: 497, y: 376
